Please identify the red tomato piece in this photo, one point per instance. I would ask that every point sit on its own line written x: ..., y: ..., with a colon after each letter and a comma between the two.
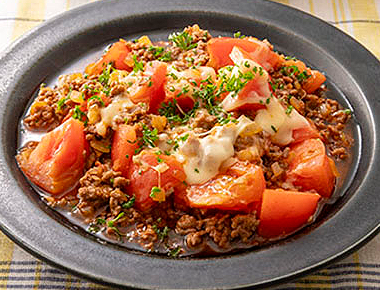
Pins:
x: 220, y: 48
x: 310, y: 168
x: 145, y: 175
x: 116, y: 54
x: 255, y: 92
x: 240, y: 188
x: 57, y: 163
x: 283, y: 212
x: 181, y: 87
x: 152, y: 92
x: 315, y: 80
x: 304, y: 133
x: 124, y: 144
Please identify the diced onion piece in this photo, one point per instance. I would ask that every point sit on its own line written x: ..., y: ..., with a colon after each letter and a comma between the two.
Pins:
x: 76, y: 97
x: 37, y: 105
x: 276, y: 168
x: 144, y: 40
x: 159, y: 122
x: 100, y: 146
x: 93, y: 115
x: 249, y: 154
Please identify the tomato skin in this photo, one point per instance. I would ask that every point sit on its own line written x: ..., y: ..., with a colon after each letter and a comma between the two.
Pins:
x: 152, y: 92
x: 143, y: 177
x: 124, y: 144
x: 220, y: 48
x: 57, y: 163
x: 310, y: 168
x: 116, y: 54
x: 240, y: 188
x: 283, y: 212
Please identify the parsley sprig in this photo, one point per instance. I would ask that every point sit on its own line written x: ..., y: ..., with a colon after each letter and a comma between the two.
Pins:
x: 183, y: 40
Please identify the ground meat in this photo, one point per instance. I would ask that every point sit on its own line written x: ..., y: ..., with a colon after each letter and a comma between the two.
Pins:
x: 44, y: 113
x: 203, y: 120
x: 97, y: 189
x: 330, y: 119
x: 222, y: 229
x: 136, y: 114
x: 274, y: 164
x: 197, y: 56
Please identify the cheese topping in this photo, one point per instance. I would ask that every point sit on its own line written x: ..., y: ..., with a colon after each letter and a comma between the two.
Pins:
x: 202, y: 157
x: 277, y: 123
x: 111, y: 111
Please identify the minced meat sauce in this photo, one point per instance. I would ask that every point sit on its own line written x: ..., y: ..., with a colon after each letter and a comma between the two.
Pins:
x: 195, y: 145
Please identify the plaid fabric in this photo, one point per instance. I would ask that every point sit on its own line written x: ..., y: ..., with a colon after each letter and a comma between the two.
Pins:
x: 361, y: 270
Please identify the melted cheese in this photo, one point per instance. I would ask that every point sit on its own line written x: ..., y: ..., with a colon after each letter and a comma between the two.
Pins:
x: 111, y: 111
x: 202, y: 157
x: 278, y: 124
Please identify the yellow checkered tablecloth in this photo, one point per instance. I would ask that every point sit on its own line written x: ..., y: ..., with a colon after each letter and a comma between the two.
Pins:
x: 361, y: 270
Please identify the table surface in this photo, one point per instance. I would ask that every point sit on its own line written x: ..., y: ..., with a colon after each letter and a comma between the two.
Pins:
x: 361, y: 270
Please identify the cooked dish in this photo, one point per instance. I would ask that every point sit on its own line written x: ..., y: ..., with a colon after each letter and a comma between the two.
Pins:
x: 197, y: 145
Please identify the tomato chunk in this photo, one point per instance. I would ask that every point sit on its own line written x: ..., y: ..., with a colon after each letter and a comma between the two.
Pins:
x: 315, y: 80
x: 57, y: 163
x: 220, y: 48
x: 180, y: 86
x: 116, y: 55
x: 304, y: 133
x: 124, y: 144
x: 255, y: 92
x: 283, y: 212
x: 152, y: 91
x: 240, y: 188
x: 310, y: 168
x: 153, y: 170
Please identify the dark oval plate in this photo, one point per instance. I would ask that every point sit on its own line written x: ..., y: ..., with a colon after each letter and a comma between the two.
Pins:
x: 65, y: 41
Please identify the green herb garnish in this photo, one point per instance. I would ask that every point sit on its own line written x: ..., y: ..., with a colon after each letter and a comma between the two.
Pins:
x: 182, y: 40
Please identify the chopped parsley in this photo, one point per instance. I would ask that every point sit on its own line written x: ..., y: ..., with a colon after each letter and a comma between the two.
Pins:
x: 183, y: 40
x: 112, y: 222
x: 238, y: 35
x: 78, y: 114
x: 161, y: 233
x: 174, y: 252
x: 138, y: 65
x: 290, y: 70
x: 105, y: 76
x: 149, y: 136
x: 61, y: 103
x: 160, y: 53
x: 154, y: 191
x: 167, y: 56
x: 289, y: 109
x: 130, y: 203
x: 303, y: 76
x: 96, y: 97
